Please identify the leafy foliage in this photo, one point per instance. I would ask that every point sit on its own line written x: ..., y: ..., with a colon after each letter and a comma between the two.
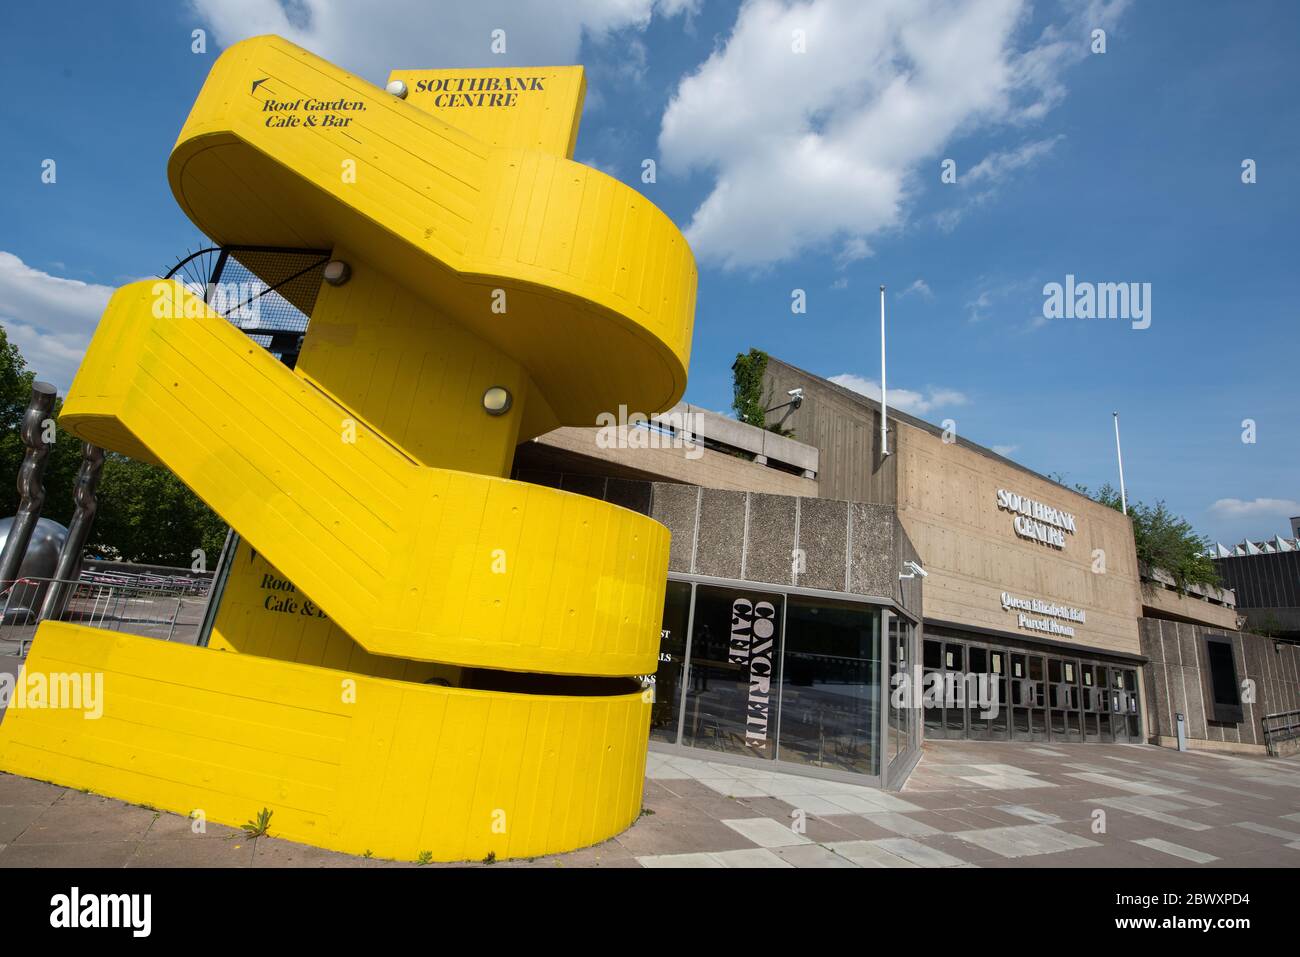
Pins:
x: 146, y: 514
x: 1164, y: 540
x: 260, y: 825
x: 747, y: 387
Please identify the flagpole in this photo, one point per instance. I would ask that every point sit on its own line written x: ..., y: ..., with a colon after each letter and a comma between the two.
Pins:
x: 884, y: 403
x: 1119, y: 455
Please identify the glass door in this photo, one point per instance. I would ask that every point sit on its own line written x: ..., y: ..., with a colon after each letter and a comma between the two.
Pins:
x: 932, y: 664
x: 734, y: 671
x: 981, y: 727
x: 954, y: 699
x: 830, y: 686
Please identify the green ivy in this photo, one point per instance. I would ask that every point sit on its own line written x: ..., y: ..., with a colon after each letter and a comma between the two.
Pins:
x: 747, y: 387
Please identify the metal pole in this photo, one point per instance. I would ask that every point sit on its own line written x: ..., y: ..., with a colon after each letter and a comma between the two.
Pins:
x: 172, y: 630
x: 884, y: 433
x: 1123, y: 497
x: 31, y: 493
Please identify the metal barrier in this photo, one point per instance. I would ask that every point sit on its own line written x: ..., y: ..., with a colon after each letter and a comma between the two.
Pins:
x: 1279, y: 728
x: 154, y: 606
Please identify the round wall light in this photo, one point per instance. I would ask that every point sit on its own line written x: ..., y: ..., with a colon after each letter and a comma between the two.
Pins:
x: 496, y: 400
x: 397, y: 88
x: 337, y: 272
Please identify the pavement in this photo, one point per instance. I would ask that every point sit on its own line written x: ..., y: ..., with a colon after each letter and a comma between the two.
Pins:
x: 967, y: 804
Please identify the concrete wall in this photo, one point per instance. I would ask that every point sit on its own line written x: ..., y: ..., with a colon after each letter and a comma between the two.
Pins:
x: 850, y: 547
x: 570, y: 450
x: 1177, y: 679
x: 844, y: 428
x: 947, y: 502
x: 1159, y: 601
x: 946, y: 497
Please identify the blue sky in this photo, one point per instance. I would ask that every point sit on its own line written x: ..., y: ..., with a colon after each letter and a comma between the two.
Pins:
x: 817, y: 171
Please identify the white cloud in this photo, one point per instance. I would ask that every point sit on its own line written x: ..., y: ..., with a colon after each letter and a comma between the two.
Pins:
x: 820, y: 148
x: 371, y: 38
x: 920, y: 288
x: 990, y: 172
x: 1255, y: 508
x: 1005, y: 450
x: 909, y: 400
x: 49, y: 318
x: 994, y: 167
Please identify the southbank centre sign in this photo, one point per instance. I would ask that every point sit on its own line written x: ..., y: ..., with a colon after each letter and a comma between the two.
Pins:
x: 1035, y: 521
x: 412, y: 655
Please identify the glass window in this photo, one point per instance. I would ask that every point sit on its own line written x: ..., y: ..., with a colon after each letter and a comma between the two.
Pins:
x: 672, y: 658
x: 734, y: 671
x: 830, y: 684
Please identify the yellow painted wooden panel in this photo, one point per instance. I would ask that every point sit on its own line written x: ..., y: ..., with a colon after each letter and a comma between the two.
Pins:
x: 599, y: 284
x: 531, y: 108
x: 343, y: 761
x: 412, y: 562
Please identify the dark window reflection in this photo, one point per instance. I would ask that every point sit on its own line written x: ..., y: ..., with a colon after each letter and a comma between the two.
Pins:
x: 731, y: 702
x: 829, y: 691
x: 672, y: 658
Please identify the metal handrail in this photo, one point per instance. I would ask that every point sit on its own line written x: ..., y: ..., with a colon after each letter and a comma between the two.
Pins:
x: 145, y: 608
x: 1286, y: 728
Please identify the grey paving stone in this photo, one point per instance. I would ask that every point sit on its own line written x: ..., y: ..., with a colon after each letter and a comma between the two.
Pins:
x: 16, y: 791
x: 1031, y: 814
x: 904, y: 825
x: 1177, y: 850
x: 81, y: 822
x: 812, y: 855
x: 195, y: 852
x: 15, y: 819
x: 114, y: 854
x: 1025, y: 840
x: 868, y: 854
x: 766, y: 832
x: 919, y: 854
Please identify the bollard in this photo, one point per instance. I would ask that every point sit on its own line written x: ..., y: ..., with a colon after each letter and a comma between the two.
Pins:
x: 1182, y: 731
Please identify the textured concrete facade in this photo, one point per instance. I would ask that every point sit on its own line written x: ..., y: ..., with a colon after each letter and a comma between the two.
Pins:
x: 946, y: 489
x: 1177, y: 679
x: 788, y: 540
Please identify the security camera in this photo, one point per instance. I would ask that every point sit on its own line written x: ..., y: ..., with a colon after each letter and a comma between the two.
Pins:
x: 916, y: 570
x: 796, y: 398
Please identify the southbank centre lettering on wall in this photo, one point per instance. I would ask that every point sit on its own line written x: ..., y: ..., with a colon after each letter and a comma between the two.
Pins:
x: 490, y: 91
x: 753, y: 629
x: 1036, y: 521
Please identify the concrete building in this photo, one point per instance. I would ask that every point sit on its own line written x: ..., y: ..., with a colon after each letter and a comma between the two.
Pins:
x: 972, y: 568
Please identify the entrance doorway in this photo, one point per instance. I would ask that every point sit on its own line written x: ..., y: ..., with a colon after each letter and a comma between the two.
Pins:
x: 1040, y: 696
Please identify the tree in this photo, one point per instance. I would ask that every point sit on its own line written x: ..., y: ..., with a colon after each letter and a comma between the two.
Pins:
x: 1164, y: 540
x: 146, y: 514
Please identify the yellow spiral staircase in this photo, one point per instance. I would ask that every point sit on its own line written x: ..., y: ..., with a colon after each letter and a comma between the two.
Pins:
x: 382, y: 547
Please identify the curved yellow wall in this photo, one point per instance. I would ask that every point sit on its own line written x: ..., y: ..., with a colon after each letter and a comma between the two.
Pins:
x: 368, y: 483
